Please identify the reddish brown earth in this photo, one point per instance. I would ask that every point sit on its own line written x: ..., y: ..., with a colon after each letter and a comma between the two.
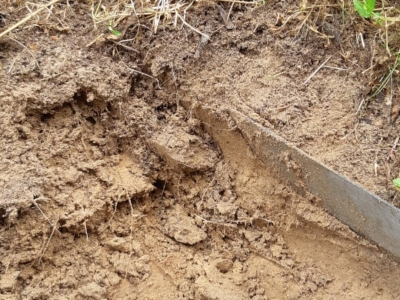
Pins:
x: 114, y: 185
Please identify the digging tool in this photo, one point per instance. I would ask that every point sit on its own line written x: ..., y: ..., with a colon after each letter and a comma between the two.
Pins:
x: 362, y: 211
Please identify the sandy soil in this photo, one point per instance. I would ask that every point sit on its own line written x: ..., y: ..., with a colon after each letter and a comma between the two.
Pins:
x: 115, y: 185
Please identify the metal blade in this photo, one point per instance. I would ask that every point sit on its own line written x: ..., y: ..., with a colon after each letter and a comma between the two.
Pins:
x: 362, y: 211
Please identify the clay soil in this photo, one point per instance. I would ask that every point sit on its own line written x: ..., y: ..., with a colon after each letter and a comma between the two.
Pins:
x: 119, y: 184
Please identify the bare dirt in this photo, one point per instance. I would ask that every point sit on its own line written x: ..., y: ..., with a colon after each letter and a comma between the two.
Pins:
x: 114, y: 185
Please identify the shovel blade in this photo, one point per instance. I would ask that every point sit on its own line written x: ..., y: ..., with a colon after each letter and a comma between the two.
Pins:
x: 364, y: 212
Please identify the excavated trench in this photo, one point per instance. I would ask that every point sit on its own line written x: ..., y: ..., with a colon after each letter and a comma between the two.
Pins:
x: 184, y: 210
x: 115, y: 185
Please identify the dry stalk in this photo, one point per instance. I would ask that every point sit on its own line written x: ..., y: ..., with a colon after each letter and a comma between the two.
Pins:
x: 14, y: 60
x: 27, y: 18
x: 25, y: 49
x: 142, y: 73
x: 44, y: 215
x: 161, y: 13
x: 113, y: 214
x: 393, y: 149
x: 138, y: 217
x: 208, y: 186
x: 315, y: 72
x: 9, y: 263
x: 86, y: 232
x: 48, y: 242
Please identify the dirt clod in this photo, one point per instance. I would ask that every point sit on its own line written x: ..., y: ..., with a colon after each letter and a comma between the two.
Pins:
x: 183, y: 229
x: 224, y: 265
x: 183, y: 151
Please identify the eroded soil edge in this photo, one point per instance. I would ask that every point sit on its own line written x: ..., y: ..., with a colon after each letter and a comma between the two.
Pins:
x: 184, y: 210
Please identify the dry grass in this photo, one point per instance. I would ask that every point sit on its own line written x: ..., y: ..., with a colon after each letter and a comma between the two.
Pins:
x: 326, y: 19
x: 28, y: 17
x: 329, y: 19
x: 159, y: 12
x: 110, y: 13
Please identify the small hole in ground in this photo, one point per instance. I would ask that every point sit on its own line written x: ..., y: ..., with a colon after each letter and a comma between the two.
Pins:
x: 45, y: 117
x: 159, y: 184
x: 81, y: 97
x: 91, y: 120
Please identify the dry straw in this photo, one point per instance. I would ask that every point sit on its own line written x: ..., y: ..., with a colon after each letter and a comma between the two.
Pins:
x: 27, y: 18
x: 160, y: 12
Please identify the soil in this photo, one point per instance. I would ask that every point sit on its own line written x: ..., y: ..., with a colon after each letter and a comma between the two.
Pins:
x: 113, y: 185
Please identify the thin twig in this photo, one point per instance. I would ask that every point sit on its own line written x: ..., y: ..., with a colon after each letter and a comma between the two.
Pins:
x: 208, y: 186
x: 141, y: 73
x: 130, y: 202
x: 14, y: 60
x: 95, y: 40
x: 230, y: 10
x: 112, y: 216
x: 47, y: 219
x: 26, y: 48
x: 47, y: 244
x: 126, y: 47
x: 86, y: 232
x: 315, y: 72
x: 360, y: 105
x: 376, y: 164
x: 163, y: 189
x: 335, y: 68
x: 191, y: 27
x: 9, y: 263
x: 396, y: 141
x: 27, y: 18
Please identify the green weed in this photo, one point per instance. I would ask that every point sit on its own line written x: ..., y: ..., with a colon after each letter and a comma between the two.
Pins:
x: 366, y: 9
x: 113, y: 30
x: 396, y: 183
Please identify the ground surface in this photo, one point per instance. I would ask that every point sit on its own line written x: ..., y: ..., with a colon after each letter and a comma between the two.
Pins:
x: 116, y: 185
